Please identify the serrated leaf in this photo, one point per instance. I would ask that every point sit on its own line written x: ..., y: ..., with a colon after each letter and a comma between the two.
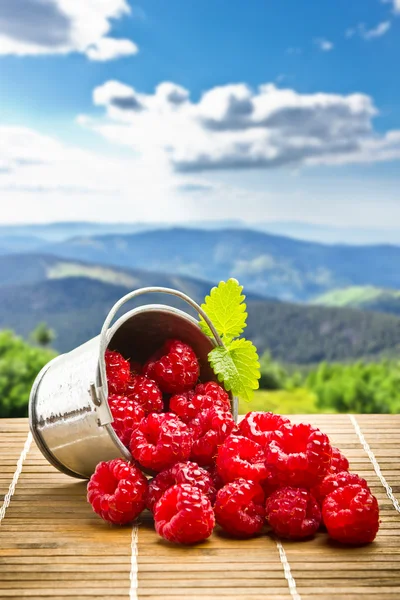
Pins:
x: 238, y: 367
x: 226, y: 308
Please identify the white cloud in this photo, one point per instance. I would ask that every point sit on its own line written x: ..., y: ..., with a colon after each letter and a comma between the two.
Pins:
x: 369, y: 34
x: 324, y: 45
x: 40, y: 161
x: 378, y: 31
x: 43, y: 179
x: 40, y: 27
x: 174, y: 146
x: 396, y: 4
x: 234, y: 127
x: 109, y: 48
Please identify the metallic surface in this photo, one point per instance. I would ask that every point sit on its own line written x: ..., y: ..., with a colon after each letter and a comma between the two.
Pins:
x: 68, y: 409
x: 63, y: 418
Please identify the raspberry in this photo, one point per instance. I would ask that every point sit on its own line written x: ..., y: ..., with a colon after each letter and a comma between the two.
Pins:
x: 187, y: 472
x: 213, y: 390
x: 117, y: 491
x: 184, y: 515
x: 300, y: 455
x: 174, y: 368
x: 188, y: 405
x: 351, y: 515
x: 335, y: 481
x: 339, y: 462
x: 118, y: 372
x: 293, y: 513
x: 126, y: 414
x: 161, y: 440
x: 239, y: 508
x: 260, y: 426
x: 239, y: 457
x: 210, y: 428
x: 145, y: 392
x: 158, y: 486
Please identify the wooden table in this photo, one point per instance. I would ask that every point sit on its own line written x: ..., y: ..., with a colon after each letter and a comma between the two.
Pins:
x: 53, y: 546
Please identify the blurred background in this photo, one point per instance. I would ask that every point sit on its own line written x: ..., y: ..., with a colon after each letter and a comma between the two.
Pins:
x: 182, y: 143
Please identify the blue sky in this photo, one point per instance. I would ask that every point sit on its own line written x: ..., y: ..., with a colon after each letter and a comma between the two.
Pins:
x: 84, y: 134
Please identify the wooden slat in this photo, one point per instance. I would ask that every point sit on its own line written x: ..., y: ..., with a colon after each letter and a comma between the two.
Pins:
x: 53, y: 546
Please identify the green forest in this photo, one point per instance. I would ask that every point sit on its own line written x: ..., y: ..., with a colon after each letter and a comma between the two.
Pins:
x: 354, y: 387
x: 20, y: 362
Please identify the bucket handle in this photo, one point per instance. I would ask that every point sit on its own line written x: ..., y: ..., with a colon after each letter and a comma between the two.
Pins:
x: 115, y: 309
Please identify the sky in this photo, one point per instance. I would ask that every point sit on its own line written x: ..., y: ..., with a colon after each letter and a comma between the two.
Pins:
x: 112, y: 110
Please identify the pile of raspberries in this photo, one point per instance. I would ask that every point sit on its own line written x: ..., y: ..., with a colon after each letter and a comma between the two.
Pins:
x: 208, y: 470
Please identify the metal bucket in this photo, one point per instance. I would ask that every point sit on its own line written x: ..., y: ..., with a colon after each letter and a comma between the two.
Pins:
x: 69, y: 414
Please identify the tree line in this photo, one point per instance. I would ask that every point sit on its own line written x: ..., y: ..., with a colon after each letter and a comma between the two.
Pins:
x: 20, y: 362
x: 354, y: 387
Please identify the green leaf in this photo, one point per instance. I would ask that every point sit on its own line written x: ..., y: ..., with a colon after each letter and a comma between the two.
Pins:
x: 226, y: 308
x: 238, y: 367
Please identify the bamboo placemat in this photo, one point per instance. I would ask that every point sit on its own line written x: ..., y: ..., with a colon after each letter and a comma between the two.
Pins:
x: 53, y: 546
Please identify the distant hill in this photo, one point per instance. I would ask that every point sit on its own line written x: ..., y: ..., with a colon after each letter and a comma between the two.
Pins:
x: 269, y: 265
x: 19, y: 243
x: 77, y: 306
x: 364, y: 297
x: 329, y: 234
x: 16, y: 269
x: 326, y: 234
x: 64, y: 230
x: 55, y: 232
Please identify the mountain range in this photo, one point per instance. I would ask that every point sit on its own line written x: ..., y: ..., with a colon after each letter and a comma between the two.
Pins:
x: 42, y: 233
x: 307, y: 301
x: 74, y: 298
x: 17, y: 269
x: 269, y: 265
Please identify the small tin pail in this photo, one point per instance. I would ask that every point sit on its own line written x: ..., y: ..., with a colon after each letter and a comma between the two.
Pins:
x: 69, y: 414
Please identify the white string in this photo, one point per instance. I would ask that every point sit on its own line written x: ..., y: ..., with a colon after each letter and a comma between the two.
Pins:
x: 134, y: 564
x: 13, y: 484
x: 287, y: 572
x: 371, y: 456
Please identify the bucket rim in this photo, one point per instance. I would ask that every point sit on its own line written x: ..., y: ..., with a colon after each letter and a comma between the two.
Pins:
x: 151, y: 308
